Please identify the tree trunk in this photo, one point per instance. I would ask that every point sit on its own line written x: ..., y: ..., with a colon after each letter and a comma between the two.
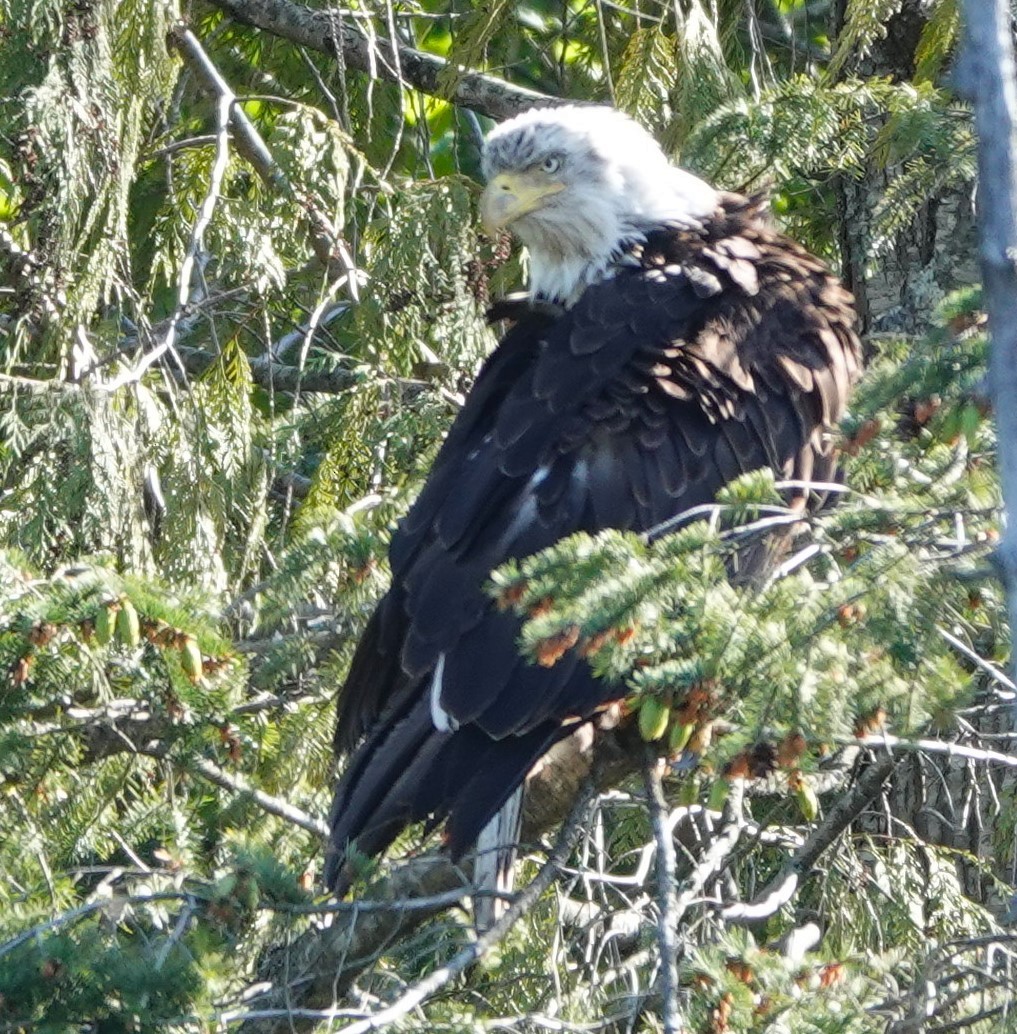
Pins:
x: 948, y: 802
x: 899, y: 282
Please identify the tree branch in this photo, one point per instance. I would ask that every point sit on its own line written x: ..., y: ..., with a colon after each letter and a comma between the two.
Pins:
x: 276, y: 376
x: 987, y: 76
x: 330, y: 32
x: 781, y: 889
x: 238, y: 784
x: 437, y: 979
x: 317, y: 969
x: 327, y: 245
x: 667, y: 901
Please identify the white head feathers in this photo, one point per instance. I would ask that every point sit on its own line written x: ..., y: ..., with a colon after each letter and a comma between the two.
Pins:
x: 577, y: 183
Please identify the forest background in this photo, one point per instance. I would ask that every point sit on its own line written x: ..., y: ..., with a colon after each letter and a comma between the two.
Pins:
x: 242, y: 293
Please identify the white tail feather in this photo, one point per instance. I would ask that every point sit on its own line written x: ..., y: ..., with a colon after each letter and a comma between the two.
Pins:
x: 494, y: 867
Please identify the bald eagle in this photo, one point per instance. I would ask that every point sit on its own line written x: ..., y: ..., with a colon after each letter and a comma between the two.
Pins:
x: 672, y: 341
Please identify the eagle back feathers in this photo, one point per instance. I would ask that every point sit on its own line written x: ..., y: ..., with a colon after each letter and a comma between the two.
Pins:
x: 709, y: 353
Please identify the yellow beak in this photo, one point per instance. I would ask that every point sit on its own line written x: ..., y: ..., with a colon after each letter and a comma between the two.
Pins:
x: 510, y: 195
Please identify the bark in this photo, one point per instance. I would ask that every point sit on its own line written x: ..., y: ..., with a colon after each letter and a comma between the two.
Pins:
x: 329, y: 32
x: 898, y: 288
x: 989, y: 77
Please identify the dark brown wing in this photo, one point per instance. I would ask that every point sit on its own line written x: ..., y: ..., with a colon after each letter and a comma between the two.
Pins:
x: 714, y: 354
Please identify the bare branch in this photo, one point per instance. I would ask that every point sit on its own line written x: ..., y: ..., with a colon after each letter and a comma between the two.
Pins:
x: 194, y: 248
x: 988, y: 667
x: 667, y: 899
x: 277, y: 376
x: 324, y: 240
x: 781, y: 889
x: 72, y: 915
x: 331, y: 31
x: 951, y: 750
x: 236, y: 783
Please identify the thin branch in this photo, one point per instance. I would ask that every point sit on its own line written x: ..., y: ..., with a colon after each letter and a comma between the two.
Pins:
x: 979, y: 662
x: 277, y: 376
x: 11, y: 385
x: 194, y: 248
x: 181, y: 145
x: 324, y: 240
x: 951, y: 750
x: 781, y: 889
x: 667, y: 899
x: 279, y: 350
x: 89, y: 908
x: 252, y: 1015
x: 332, y: 32
x: 236, y: 783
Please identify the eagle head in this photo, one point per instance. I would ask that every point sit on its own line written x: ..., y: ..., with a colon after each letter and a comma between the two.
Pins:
x: 577, y: 185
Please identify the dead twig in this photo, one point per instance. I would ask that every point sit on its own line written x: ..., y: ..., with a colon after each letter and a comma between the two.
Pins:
x: 781, y: 889
x: 667, y: 898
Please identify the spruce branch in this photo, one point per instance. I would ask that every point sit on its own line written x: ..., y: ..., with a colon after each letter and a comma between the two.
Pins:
x: 127, y: 726
x: 102, y: 904
x: 330, y: 32
x: 987, y: 75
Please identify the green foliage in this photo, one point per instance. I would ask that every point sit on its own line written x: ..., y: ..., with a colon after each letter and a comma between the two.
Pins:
x: 191, y: 544
x: 864, y: 23
x: 802, y: 134
x: 938, y: 37
x: 75, y: 143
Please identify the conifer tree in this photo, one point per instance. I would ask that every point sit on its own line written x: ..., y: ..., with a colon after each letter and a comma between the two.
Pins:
x: 243, y: 294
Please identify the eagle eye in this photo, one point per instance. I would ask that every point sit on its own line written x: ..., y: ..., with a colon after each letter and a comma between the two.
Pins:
x: 551, y: 164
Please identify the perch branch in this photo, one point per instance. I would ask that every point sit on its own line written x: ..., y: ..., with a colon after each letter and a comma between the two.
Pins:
x: 317, y: 969
x: 482, y: 945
